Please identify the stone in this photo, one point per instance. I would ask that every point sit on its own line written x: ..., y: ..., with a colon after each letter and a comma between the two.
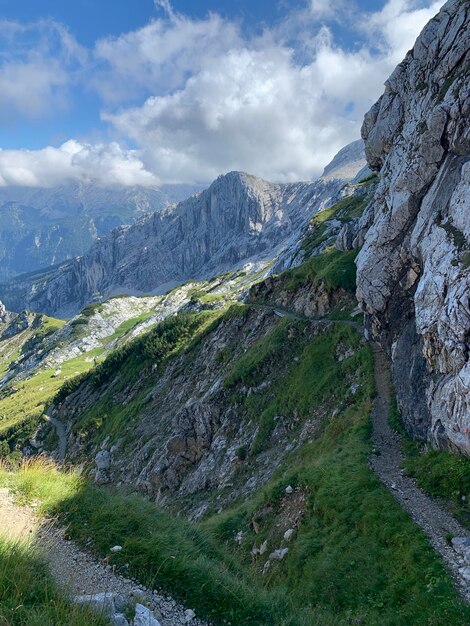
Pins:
x: 288, y: 534
x: 460, y: 544
x: 201, y: 236
x: 144, y: 617
x: 289, y: 490
x: 116, y: 549
x: 279, y: 554
x: 103, y: 603
x: 119, y: 619
x: 103, y: 460
x: 412, y: 274
x: 465, y: 572
x: 189, y: 615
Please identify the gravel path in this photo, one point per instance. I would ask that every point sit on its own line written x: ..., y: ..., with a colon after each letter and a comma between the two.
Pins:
x: 77, y: 571
x: 435, y: 522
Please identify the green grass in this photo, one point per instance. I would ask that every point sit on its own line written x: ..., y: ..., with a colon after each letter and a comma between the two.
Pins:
x: 441, y: 475
x: 356, y: 557
x: 344, y: 210
x: 312, y: 381
x: 334, y: 268
x: 125, y: 365
x: 437, y: 472
x: 28, y: 595
x: 21, y: 411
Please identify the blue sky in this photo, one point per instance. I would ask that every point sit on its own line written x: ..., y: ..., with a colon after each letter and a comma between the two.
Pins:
x: 148, y: 91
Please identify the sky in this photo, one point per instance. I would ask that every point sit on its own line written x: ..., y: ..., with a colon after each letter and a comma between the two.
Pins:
x: 179, y: 91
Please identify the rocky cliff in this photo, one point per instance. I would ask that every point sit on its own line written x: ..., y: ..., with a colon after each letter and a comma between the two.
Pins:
x: 238, y: 219
x: 414, y: 266
x: 42, y: 227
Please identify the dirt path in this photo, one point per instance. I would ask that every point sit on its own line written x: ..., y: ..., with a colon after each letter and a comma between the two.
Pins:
x: 435, y: 522
x: 77, y: 571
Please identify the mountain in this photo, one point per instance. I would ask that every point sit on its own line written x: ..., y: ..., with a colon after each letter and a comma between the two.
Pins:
x: 237, y: 220
x: 414, y: 266
x: 45, y: 226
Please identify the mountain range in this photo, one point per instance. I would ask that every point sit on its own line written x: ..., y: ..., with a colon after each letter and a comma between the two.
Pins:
x: 40, y: 227
x: 239, y: 219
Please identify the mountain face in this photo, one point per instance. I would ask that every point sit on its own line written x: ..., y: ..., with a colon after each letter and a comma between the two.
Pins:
x: 414, y: 266
x: 238, y: 219
x: 42, y: 227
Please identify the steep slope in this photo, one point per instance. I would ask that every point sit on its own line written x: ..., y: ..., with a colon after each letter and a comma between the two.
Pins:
x: 251, y: 421
x: 42, y: 227
x: 414, y: 269
x: 239, y: 219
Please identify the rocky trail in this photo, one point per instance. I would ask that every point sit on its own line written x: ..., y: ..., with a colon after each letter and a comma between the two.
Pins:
x: 85, y: 577
x: 435, y: 522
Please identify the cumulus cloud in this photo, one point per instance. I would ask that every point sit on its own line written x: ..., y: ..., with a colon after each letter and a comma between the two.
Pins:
x: 255, y: 107
x: 108, y: 164
x: 161, y: 56
x: 323, y: 9
x: 37, y: 63
x: 199, y: 97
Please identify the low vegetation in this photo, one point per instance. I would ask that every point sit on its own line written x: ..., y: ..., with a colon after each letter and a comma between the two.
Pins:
x: 346, y: 209
x: 28, y: 595
x: 334, y: 268
x: 440, y: 474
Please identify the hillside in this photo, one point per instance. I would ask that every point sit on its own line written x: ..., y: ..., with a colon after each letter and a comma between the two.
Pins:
x: 259, y: 408
x: 252, y: 421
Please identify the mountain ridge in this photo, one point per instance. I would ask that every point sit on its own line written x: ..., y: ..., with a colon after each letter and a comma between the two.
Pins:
x: 238, y: 219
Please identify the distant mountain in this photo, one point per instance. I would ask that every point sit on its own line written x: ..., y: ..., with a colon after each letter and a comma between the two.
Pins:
x: 42, y: 227
x: 239, y: 218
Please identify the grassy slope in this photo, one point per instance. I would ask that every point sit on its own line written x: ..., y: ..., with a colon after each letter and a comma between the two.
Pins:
x: 29, y: 597
x: 355, y: 556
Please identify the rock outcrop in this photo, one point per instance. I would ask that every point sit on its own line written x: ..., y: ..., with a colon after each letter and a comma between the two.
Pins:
x: 414, y: 267
x: 239, y: 218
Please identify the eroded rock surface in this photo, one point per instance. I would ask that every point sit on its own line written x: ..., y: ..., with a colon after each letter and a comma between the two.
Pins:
x: 414, y: 267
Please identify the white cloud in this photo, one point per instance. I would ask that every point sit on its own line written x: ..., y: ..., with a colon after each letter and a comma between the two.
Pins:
x: 108, y: 164
x: 160, y: 56
x: 255, y: 108
x: 324, y: 9
x: 36, y: 67
x: 166, y: 6
x: 396, y: 27
x: 207, y: 99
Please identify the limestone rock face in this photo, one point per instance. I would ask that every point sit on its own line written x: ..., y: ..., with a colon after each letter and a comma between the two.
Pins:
x: 46, y: 226
x: 238, y: 219
x: 413, y: 270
